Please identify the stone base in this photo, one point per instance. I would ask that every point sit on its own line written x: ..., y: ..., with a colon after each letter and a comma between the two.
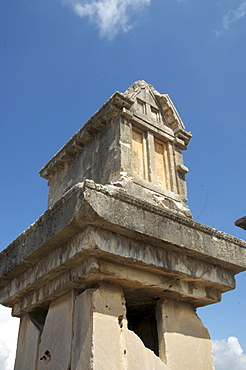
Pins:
x: 90, y: 330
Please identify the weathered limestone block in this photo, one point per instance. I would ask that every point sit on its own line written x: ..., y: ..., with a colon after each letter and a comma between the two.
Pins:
x: 102, y: 340
x: 83, y: 330
x: 109, y: 311
x: 183, y: 340
x: 57, y: 334
x: 27, y: 346
x: 138, y: 357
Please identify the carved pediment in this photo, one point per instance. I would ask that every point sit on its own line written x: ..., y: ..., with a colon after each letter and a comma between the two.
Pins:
x: 157, y: 107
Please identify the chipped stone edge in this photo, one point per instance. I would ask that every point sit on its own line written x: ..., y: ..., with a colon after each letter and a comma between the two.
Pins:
x: 116, y: 192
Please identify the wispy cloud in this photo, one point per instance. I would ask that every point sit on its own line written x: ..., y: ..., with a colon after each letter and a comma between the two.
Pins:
x: 232, y: 16
x: 110, y: 16
x: 228, y: 354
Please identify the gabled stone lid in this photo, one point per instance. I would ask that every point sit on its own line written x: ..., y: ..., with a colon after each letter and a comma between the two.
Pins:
x: 120, y: 104
x: 168, y: 109
x: 135, y: 141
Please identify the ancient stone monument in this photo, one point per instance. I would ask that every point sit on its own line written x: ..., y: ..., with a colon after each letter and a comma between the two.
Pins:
x: 110, y: 276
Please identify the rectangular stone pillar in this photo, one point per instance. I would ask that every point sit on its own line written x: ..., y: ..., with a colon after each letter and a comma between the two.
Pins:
x: 102, y: 340
x: 184, y: 343
x: 27, y: 345
x: 57, y: 334
x: 98, y: 318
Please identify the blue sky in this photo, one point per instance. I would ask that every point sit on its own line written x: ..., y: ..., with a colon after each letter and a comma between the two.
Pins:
x: 62, y: 59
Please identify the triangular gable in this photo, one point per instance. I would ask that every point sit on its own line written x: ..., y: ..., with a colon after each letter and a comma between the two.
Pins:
x: 158, y: 104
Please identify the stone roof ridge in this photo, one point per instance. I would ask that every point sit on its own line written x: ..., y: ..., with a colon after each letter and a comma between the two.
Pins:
x: 169, y: 111
x: 136, y: 87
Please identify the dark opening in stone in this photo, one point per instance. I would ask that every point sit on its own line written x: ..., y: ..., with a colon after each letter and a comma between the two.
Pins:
x: 142, y: 320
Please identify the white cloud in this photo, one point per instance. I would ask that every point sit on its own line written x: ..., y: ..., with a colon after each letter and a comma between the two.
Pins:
x: 110, y: 16
x: 232, y: 16
x: 8, y: 338
x: 228, y: 354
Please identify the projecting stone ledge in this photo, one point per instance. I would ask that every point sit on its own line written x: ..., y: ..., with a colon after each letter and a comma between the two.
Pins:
x: 97, y: 233
x: 241, y: 222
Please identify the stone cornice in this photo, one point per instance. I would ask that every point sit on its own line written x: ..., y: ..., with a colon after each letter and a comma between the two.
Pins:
x: 94, y: 204
x: 113, y: 107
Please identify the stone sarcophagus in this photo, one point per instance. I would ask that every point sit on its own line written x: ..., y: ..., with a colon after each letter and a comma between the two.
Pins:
x: 110, y: 276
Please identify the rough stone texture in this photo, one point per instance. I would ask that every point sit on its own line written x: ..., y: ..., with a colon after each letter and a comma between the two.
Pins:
x: 100, y: 161
x: 107, y: 306
x: 199, y: 261
x: 83, y: 331
x: 153, y: 270
x: 184, y: 341
x: 138, y: 356
x: 56, y: 338
x: 103, y: 150
x: 27, y: 346
x: 101, y: 336
x: 112, y: 209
